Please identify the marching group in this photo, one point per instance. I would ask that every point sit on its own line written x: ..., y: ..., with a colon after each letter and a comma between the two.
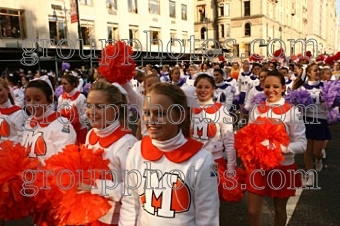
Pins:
x: 177, y: 131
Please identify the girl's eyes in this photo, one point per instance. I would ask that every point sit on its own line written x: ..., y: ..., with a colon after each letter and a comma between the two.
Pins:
x: 100, y: 106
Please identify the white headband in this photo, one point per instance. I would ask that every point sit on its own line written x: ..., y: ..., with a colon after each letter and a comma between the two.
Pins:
x: 45, y: 79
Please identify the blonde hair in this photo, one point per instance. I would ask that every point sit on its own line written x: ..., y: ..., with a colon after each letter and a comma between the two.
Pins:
x: 6, y: 86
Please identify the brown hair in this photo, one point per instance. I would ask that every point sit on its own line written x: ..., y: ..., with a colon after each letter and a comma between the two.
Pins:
x: 73, y: 80
x: 298, y: 81
x: 6, y: 86
x: 114, y: 97
x: 177, y: 96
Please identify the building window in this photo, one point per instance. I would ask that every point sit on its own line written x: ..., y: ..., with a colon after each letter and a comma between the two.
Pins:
x: 222, y: 30
x: 247, y: 49
x: 12, y: 23
x: 111, y: 6
x: 246, y: 8
x: 155, y: 36
x: 132, y: 6
x: 221, y: 10
x: 201, y: 13
x: 86, y: 2
x: 203, y: 31
x: 154, y: 7
x: 227, y: 9
x: 236, y: 50
x: 185, y: 38
x: 57, y: 29
x: 173, y: 36
x: 184, y: 12
x: 133, y: 34
x: 227, y: 30
x: 87, y: 32
x: 172, y: 9
x: 247, y: 29
x: 112, y: 32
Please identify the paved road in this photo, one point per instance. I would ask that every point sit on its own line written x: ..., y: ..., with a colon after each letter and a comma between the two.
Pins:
x: 308, y: 208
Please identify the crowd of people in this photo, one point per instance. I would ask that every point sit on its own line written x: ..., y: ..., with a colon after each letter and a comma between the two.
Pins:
x: 179, y: 145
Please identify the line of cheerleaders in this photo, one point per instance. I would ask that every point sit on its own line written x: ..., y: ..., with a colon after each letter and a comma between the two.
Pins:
x: 159, y: 151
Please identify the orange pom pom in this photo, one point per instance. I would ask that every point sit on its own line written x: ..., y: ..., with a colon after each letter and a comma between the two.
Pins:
x: 14, y: 162
x: 116, y: 64
x: 259, y: 144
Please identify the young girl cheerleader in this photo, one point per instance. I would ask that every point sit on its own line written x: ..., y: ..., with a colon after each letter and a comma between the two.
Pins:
x: 45, y: 132
x: 175, y: 77
x: 257, y: 183
x: 169, y: 174
x: 213, y: 126
x: 317, y: 129
x: 72, y: 105
x: 106, y: 112
x: 223, y: 93
x: 137, y: 100
x: 255, y: 90
x: 11, y: 116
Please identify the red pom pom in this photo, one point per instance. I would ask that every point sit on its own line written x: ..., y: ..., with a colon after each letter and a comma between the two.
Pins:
x: 71, y: 207
x: 255, y: 58
x: 251, y: 140
x: 221, y: 58
x: 116, y: 64
x: 308, y: 54
x: 329, y: 60
x: 279, y: 53
x: 14, y: 162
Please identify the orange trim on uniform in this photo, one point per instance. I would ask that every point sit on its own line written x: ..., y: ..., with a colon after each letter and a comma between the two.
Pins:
x: 183, y: 153
x: 279, y: 110
x: 10, y: 110
x: 105, y: 142
x: 210, y: 110
x: 44, y: 121
x: 73, y: 97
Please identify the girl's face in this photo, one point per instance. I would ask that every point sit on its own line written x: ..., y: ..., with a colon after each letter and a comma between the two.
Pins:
x: 262, y: 77
x: 149, y: 82
x: 284, y: 72
x: 23, y: 81
x: 218, y: 77
x: 37, y: 97
x: 204, y: 90
x: 191, y: 71
x: 273, y: 89
x: 68, y: 87
x: 314, y: 73
x: 176, y: 75
x: 99, y: 111
x: 326, y: 76
x: 3, y: 94
x: 159, y: 118
x: 297, y: 70
x: 256, y: 70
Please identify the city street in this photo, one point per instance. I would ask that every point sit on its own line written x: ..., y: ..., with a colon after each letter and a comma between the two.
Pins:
x: 308, y: 208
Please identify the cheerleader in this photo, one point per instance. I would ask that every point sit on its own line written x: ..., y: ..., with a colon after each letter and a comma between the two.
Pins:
x: 223, y: 93
x: 18, y: 94
x: 289, y: 82
x: 45, y: 132
x: 257, y: 183
x: 170, y: 177
x: 317, y: 129
x: 72, y: 105
x: 175, y: 78
x: 255, y: 90
x: 106, y: 113
x: 213, y: 126
x: 192, y: 75
x: 254, y: 78
x: 11, y: 116
x: 244, y: 85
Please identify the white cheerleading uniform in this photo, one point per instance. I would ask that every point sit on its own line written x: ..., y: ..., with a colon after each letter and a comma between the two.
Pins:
x: 318, y: 109
x: 291, y: 118
x: 289, y: 85
x: 213, y: 126
x: 170, y: 183
x: 47, y: 135
x: 253, y: 81
x: 11, y: 121
x: 251, y: 94
x: 244, y: 82
x: 223, y: 94
x: 116, y: 144
x: 19, y: 96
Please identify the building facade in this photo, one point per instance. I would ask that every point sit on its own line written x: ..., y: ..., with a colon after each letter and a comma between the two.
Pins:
x: 300, y: 25
x: 157, y: 30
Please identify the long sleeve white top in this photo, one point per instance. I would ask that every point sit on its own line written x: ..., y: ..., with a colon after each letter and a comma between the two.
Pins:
x: 182, y: 192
